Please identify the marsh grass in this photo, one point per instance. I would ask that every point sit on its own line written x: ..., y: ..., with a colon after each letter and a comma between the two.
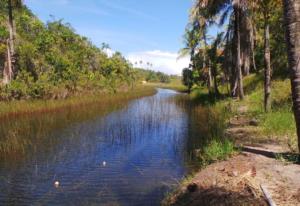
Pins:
x: 207, y: 141
x: 26, y: 125
x: 15, y: 108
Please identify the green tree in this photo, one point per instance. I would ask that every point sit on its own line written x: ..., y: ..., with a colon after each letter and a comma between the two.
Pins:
x: 187, y: 78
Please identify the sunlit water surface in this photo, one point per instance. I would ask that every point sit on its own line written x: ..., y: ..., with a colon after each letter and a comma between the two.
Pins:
x: 132, y: 156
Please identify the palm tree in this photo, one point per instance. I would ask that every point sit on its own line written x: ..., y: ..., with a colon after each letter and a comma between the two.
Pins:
x: 264, y: 7
x: 292, y: 25
x: 214, y: 59
x: 196, y: 40
x: 237, y: 9
x: 237, y: 14
x: 10, y: 67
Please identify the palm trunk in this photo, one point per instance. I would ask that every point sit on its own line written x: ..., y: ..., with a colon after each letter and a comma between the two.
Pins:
x: 209, y: 81
x: 238, y: 50
x: 209, y: 77
x: 11, y: 27
x: 267, y: 56
x: 216, y: 90
x: 9, y: 69
x: 253, y: 35
x: 292, y: 24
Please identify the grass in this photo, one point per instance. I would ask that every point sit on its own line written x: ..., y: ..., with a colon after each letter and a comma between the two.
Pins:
x: 175, y: 84
x: 208, y: 123
x: 22, y: 107
x: 25, y: 125
x: 217, y: 150
x: 278, y: 124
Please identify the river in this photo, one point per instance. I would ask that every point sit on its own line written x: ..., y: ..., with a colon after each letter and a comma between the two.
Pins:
x: 130, y: 156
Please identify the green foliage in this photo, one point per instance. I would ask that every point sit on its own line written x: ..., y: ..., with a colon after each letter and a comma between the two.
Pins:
x: 53, y: 59
x: 187, y: 78
x: 217, y: 150
x: 152, y: 76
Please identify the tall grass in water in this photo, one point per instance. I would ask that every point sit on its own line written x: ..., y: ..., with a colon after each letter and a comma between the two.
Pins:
x: 206, y: 141
x: 26, y: 125
x: 15, y: 108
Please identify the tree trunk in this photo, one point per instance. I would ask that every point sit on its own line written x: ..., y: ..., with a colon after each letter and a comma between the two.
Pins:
x: 209, y: 77
x: 238, y: 50
x: 267, y: 59
x: 216, y: 90
x: 292, y: 24
x: 209, y: 81
x: 252, y: 39
x: 9, y: 69
x: 7, y: 72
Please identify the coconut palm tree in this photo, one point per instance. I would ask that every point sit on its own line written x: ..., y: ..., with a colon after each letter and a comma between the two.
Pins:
x: 237, y: 9
x: 265, y: 8
x: 292, y: 25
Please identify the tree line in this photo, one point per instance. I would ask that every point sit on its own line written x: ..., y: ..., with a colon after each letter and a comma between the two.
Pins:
x: 254, y: 37
x: 50, y: 60
x: 153, y: 76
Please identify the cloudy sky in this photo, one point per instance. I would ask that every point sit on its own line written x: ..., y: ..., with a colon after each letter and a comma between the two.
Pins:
x: 143, y: 30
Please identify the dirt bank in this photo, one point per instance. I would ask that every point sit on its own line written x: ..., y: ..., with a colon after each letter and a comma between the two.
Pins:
x: 262, y: 163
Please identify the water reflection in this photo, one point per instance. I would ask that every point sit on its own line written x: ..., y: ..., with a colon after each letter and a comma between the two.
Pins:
x: 143, y: 145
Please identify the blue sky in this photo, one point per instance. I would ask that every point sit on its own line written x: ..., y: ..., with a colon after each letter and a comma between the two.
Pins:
x: 147, y: 30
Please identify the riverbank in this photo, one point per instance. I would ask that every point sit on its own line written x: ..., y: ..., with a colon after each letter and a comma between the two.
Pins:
x: 265, y: 155
x: 29, y: 107
x: 25, y: 125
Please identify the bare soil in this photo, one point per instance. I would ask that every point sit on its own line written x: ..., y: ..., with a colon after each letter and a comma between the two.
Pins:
x: 239, y: 180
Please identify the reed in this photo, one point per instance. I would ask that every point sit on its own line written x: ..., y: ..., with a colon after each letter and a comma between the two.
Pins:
x: 26, y: 125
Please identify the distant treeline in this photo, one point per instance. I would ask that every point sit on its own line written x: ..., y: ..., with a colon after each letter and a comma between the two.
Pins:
x: 51, y: 60
x: 153, y: 76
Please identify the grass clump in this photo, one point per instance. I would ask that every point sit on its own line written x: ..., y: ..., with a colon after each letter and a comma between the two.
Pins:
x: 217, y: 150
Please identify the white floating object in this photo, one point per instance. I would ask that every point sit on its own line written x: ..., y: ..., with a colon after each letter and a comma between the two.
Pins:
x: 56, y: 183
x: 104, y: 163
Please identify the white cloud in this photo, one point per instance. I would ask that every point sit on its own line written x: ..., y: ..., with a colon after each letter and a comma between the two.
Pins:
x: 163, y: 61
x: 109, y: 52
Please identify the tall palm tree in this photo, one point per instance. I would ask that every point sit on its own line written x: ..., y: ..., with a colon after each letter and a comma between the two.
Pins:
x: 237, y: 14
x: 235, y: 8
x: 10, y: 67
x: 214, y: 58
x: 265, y: 8
x: 292, y: 25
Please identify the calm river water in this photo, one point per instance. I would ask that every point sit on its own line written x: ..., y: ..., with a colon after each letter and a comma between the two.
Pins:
x: 131, y: 156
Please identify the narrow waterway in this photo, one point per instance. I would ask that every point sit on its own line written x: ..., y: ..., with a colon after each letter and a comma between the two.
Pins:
x: 131, y: 156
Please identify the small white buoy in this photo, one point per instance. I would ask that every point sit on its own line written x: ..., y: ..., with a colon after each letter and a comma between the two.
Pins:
x: 56, y: 183
x: 104, y: 163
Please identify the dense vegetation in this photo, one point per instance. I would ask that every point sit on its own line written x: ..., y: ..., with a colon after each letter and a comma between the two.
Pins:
x: 251, y: 43
x: 153, y: 76
x: 51, y: 61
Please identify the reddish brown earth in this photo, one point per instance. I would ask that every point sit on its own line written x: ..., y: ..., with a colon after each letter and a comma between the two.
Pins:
x: 238, y: 180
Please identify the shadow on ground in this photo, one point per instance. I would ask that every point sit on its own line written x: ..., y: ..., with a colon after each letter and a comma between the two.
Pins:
x: 216, y: 196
